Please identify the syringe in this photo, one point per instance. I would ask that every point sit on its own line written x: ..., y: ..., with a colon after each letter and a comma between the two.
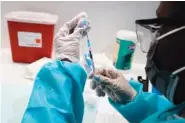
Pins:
x: 84, y: 24
x: 90, y: 53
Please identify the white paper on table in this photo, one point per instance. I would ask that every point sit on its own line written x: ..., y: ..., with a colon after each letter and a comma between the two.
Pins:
x: 32, y: 69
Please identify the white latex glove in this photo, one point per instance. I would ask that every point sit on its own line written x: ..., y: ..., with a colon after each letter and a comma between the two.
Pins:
x: 67, y: 39
x: 112, y: 83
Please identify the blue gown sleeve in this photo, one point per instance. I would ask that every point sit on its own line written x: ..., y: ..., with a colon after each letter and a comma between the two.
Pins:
x: 144, y: 104
x: 57, y: 94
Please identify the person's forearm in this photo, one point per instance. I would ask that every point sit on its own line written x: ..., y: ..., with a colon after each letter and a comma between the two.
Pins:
x: 143, y: 105
x: 57, y: 94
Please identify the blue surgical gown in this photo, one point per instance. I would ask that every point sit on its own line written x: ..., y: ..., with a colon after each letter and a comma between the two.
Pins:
x: 57, y: 98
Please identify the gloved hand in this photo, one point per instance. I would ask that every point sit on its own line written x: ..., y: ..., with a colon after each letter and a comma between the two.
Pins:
x: 67, y: 39
x: 112, y: 83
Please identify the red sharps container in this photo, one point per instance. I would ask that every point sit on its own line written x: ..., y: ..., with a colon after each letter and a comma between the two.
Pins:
x: 31, y: 35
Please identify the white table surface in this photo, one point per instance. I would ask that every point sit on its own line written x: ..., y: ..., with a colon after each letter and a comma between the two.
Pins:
x: 16, y: 90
